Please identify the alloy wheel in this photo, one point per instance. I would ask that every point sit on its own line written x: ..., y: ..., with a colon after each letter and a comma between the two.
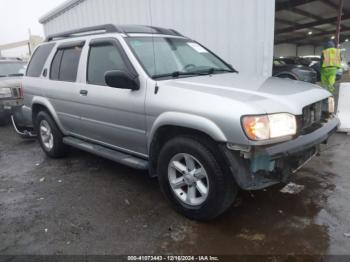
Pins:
x: 46, y: 135
x: 188, y: 179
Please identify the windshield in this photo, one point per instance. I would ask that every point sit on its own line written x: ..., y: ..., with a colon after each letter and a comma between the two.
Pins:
x: 12, y: 68
x: 173, y: 57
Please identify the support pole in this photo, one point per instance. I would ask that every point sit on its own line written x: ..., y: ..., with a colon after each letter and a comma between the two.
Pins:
x: 30, y: 42
x: 340, y: 13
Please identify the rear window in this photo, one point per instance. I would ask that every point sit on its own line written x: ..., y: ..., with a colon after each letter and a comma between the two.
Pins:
x: 38, y: 60
x: 65, y: 64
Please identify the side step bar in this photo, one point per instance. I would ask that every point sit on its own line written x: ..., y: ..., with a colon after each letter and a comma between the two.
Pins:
x: 110, y: 154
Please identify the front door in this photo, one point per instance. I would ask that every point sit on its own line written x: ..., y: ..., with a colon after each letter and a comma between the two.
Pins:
x: 111, y: 116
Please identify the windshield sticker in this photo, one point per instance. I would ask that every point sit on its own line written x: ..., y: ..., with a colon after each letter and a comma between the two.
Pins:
x: 197, y: 47
x: 136, y: 43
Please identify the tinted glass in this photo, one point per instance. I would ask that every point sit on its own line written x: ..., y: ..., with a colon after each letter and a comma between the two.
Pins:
x: 38, y: 60
x: 55, y: 65
x: 102, y: 59
x: 69, y: 64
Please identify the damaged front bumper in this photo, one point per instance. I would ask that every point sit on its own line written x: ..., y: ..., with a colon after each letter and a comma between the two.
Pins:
x: 269, y: 165
x: 304, y: 142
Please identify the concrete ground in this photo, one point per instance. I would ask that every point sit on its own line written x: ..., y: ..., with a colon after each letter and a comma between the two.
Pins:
x: 84, y: 204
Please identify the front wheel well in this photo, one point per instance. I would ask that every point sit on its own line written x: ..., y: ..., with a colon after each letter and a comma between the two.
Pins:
x: 165, y: 133
x: 287, y: 75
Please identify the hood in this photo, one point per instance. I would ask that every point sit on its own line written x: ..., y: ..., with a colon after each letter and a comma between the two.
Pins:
x: 272, y: 95
x: 10, y: 82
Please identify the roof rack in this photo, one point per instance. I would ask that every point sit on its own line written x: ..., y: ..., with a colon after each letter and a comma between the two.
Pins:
x: 110, y: 28
x: 107, y: 28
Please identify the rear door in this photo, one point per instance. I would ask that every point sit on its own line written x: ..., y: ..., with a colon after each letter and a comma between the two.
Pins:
x: 64, y: 92
x: 112, y: 116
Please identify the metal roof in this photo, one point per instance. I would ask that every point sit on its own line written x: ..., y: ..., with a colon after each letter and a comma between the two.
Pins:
x: 65, y: 6
x: 309, y: 22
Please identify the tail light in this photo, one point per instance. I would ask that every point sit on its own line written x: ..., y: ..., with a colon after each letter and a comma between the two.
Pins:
x: 21, y: 91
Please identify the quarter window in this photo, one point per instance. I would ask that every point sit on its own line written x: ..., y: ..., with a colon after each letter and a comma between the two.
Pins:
x: 38, y: 60
x: 103, y: 58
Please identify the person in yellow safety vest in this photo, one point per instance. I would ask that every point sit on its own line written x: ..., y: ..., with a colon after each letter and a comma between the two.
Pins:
x: 330, y: 63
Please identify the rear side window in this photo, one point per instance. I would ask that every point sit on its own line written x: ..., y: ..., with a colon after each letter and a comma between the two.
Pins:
x: 38, y: 60
x: 64, y: 66
x: 103, y: 58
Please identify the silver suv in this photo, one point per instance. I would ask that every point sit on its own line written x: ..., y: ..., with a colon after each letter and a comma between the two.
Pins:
x: 155, y: 100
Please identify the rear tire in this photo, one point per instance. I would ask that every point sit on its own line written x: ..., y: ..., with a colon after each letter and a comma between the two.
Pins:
x: 177, y: 185
x: 49, y: 135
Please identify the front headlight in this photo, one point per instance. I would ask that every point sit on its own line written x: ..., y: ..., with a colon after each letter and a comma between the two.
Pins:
x: 331, y: 105
x: 267, y: 127
x: 5, y: 92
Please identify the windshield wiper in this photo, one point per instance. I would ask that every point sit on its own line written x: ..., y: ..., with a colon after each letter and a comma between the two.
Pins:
x: 210, y: 71
x: 2, y: 75
x: 213, y: 70
x: 179, y: 73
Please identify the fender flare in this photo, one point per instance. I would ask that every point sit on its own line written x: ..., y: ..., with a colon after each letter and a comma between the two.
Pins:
x: 185, y: 120
x: 46, y: 103
x: 287, y: 73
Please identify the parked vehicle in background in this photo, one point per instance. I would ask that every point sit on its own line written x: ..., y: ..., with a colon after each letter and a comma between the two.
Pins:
x: 11, y: 72
x: 315, y: 63
x: 155, y: 100
x: 288, y: 68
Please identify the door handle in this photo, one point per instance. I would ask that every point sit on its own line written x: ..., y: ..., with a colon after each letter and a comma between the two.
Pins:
x: 84, y: 92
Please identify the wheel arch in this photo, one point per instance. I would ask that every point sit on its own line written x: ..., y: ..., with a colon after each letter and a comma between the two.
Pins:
x: 42, y: 104
x: 178, y: 124
x: 286, y: 73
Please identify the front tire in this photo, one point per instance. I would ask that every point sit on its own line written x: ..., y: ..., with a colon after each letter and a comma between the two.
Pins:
x: 191, y: 176
x: 50, y: 137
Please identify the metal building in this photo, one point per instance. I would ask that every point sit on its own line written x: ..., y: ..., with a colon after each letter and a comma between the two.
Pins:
x: 240, y: 31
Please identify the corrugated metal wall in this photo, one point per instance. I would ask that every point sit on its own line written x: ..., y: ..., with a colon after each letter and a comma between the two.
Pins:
x: 240, y: 31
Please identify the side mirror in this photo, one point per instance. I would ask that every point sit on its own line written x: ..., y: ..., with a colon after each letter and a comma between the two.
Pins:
x: 122, y: 80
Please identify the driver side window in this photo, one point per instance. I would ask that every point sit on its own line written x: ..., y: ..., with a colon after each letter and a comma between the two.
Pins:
x: 103, y: 58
